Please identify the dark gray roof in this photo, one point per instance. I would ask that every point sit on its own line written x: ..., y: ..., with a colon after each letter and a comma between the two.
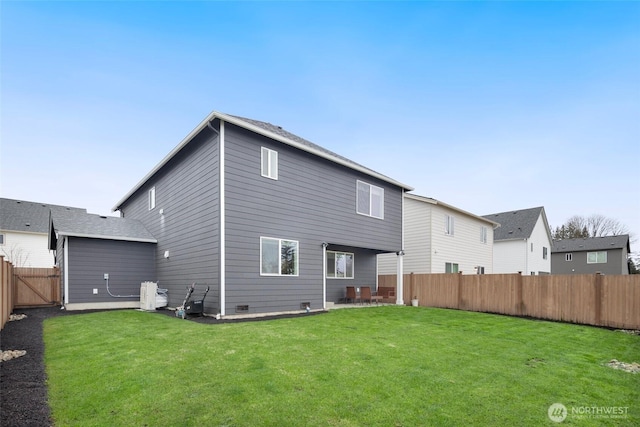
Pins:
x: 278, y: 130
x: 591, y: 244
x: 100, y: 227
x: 269, y: 130
x: 33, y: 217
x: 515, y: 224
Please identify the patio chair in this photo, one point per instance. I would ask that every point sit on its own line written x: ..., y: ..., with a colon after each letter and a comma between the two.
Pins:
x: 351, y: 294
x: 365, y: 295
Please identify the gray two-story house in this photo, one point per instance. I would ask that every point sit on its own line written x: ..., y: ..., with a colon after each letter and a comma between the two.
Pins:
x: 270, y: 221
x: 607, y: 255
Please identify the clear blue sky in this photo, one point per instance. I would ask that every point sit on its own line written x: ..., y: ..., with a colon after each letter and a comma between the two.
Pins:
x: 486, y: 106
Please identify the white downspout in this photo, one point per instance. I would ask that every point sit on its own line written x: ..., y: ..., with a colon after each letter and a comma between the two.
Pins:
x: 400, y: 272
x: 526, y: 257
x: 66, y: 269
x: 223, y: 261
x: 324, y: 276
x: 400, y: 279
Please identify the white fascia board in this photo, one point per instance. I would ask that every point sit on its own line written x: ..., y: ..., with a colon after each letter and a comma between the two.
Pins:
x: 438, y: 202
x: 104, y: 237
x: 23, y: 232
x: 258, y: 130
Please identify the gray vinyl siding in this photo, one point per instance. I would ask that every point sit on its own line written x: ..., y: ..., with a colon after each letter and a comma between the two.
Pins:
x: 313, y: 201
x: 616, y: 263
x: 127, y: 263
x: 187, y: 193
x: 60, y: 263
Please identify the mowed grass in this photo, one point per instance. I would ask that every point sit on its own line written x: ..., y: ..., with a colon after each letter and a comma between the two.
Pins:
x: 382, y: 366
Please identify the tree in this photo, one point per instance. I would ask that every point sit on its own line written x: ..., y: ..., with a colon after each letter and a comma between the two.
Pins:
x: 596, y: 225
x: 593, y: 226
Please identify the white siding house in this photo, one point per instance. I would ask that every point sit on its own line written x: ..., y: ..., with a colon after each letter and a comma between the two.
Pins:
x: 522, y: 243
x: 24, y: 228
x: 440, y: 238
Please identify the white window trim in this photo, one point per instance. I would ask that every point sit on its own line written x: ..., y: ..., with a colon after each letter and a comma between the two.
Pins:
x: 2, y: 239
x: 596, y: 261
x: 353, y: 266
x: 452, y: 264
x: 152, y: 198
x: 568, y: 257
x: 483, y: 234
x: 372, y: 189
x: 272, y: 163
x: 449, y: 225
x: 279, y: 274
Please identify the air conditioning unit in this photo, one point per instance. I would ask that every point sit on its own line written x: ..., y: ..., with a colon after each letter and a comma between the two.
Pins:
x: 148, y: 292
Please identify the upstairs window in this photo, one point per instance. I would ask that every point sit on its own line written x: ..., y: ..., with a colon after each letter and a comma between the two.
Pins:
x: 544, y: 252
x: 1, y: 239
x: 599, y: 257
x: 568, y: 257
x: 339, y: 265
x: 483, y: 234
x: 448, y: 225
x: 278, y: 257
x: 370, y: 200
x: 269, y: 163
x: 152, y: 198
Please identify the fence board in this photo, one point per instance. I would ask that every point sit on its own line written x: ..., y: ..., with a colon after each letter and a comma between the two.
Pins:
x: 591, y: 299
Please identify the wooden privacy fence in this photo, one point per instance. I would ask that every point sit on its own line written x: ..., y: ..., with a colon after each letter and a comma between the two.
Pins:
x: 27, y: 287
x: 6, y: 290
x: 591, y: 299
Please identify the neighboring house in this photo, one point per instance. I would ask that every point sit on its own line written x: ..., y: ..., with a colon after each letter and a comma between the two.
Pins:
x: 102, y: 260
x: 24, y: 227
x: 522, y: 243
x: 440, y: 238
x: 607, y: 255
x: 270, y: 221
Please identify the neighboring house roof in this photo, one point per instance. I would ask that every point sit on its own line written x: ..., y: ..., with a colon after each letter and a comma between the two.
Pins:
x: 98, y: 227
x: 33, y: 217
x: 271, y: 131
x: 591, y: 244
x: 438, y: 202
x: 516, y: 225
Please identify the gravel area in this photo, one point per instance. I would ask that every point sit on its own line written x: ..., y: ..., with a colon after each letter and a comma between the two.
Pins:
x: 23, y: 382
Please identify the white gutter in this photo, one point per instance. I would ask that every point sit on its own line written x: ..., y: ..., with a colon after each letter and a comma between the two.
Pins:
x: 260, y: 131
x: 221, y: 196
x: 105, y: 237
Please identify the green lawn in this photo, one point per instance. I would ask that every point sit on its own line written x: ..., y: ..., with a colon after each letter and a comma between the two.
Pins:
x: 384, y: 366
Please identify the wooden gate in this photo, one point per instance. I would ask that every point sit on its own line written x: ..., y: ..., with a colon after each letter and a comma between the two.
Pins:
x: 36, y: 287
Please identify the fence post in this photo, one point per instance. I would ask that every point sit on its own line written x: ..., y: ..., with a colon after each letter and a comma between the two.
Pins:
x: 598, y: 297
x: 519, y: 301
x: 412, y: 286
x: 460, y: 300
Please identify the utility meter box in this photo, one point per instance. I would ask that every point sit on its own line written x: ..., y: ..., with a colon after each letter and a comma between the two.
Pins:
x: 148, y: 292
